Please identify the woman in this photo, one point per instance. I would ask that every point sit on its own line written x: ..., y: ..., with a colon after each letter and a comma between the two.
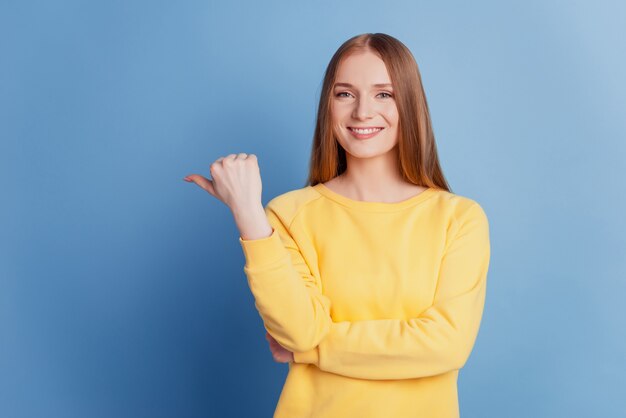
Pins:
x: 371, y: 279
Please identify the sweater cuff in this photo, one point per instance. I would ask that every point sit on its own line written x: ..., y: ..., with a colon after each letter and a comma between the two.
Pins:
x: 311, y: 356
x: 262, y: 251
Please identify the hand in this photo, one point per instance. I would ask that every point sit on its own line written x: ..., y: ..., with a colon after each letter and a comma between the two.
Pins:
x: 280, y: 354
x: 236, y: 181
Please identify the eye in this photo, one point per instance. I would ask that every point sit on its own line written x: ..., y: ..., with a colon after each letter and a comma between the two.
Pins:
x: 340, y: 94
x: 384, y: 92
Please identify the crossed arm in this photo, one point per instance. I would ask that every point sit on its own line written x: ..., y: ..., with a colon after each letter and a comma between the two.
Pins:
x: 438, y: 340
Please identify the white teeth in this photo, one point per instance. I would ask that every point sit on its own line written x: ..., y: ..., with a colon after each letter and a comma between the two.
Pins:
x: 366, y: 131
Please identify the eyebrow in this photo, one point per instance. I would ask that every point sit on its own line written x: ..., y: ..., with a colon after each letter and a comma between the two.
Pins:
x: 350, y: 85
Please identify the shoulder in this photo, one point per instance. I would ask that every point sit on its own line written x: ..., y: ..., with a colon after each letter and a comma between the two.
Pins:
x: 465, y: 219
x: 459, y: 208
x: 287, y: 205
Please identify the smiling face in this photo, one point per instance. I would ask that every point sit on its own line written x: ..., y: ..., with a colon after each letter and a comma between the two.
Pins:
x: 363, y: 109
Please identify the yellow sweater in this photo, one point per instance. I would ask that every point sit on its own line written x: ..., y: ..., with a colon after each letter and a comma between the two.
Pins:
x: 380, y: 302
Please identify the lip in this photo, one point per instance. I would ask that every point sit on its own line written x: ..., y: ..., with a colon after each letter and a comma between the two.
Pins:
x: 365, y: 136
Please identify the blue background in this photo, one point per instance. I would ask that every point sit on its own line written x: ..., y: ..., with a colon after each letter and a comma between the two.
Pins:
x: 122, y: 292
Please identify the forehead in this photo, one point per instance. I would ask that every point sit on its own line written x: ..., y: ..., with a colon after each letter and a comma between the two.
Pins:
x: 362, y: 68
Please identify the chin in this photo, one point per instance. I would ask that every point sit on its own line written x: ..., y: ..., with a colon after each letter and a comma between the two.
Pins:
x: 370, y: 153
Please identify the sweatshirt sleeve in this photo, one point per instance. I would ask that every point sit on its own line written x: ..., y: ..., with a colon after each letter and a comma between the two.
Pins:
x: 287, y: 296
x: 439, y: 340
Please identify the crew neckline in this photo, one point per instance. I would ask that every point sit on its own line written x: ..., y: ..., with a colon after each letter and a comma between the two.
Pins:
x: 373, y: 206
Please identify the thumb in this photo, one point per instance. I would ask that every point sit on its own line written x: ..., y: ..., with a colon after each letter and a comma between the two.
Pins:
x: 203, y: 182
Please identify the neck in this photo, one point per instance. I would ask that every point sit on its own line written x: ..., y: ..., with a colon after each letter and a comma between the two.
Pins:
x: 373, y: 179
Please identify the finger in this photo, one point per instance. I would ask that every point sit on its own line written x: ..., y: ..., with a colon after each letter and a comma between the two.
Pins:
x: 241, y: 156
x: 203, y: 182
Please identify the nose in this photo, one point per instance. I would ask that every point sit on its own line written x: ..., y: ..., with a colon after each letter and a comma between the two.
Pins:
x: 362, y: 109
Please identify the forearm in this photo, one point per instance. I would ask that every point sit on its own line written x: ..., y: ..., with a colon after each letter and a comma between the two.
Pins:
x: 252, y: 222
x: 438, y: 341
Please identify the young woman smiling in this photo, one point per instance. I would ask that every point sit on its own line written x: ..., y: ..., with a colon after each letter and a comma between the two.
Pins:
x: 370, y: 279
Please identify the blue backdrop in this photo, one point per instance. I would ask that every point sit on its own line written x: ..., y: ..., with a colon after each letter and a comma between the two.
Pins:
x: 122, y: 292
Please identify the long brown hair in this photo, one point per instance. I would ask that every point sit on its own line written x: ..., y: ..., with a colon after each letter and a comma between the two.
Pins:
x: 418, y: 160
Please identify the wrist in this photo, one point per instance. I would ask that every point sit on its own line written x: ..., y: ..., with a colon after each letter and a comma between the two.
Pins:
x: 246, y: 211
x: 253, y: 223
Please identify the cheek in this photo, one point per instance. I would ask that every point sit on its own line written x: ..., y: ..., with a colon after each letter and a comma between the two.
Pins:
x: 340, y: 112
x: 335, y: 117
x: 390, y: 112
x: 393, y: 117
x: 336, y: 128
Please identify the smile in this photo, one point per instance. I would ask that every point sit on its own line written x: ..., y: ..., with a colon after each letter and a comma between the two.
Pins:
x: 365, y: 130
x: 364, y: 133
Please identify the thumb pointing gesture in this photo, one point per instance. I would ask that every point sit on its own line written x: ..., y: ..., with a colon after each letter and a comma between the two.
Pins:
x: 203, y: 182
x: 236, y: 181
